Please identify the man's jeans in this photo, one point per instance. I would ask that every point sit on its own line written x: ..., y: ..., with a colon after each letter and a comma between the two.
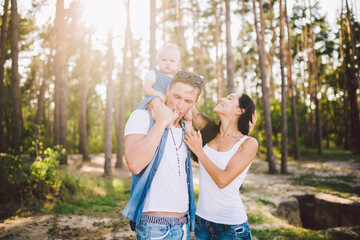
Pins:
x: 209, y: 230
x: 148, y: 230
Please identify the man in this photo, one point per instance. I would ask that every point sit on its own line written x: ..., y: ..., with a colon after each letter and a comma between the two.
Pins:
x: 162, y: 203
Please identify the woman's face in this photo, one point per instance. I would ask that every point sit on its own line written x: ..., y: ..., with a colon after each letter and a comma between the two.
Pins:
x: 228, y: 105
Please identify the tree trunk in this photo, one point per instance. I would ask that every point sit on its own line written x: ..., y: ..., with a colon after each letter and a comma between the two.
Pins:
x: 344, y: 80
x: 292, y: 90
x: 243, y: 73
x: 40, y: 109
x: 4, y: 27
x: 83, y: 100
x: 164, y: 7
x: 316, y: 83
x: 265, y: 96
x: 152, y: 33
x: 229, y: 53
x: 353, y: 85
x: 120, y: 123
x: 109, y: 108
x: 271, y: 54
x: 284, y: 139
x: 199, y: 39
x: 216, y: 41
x: 16, y: 115
x: 132, y: 71
x: 60, y: 118
x: 311, y: 121
x: 180, y: 32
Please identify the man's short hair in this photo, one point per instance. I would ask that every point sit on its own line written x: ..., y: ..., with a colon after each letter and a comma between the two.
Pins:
x: 188, y: 78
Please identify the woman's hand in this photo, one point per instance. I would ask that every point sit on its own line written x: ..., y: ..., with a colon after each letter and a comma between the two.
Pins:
x: 194, y: 141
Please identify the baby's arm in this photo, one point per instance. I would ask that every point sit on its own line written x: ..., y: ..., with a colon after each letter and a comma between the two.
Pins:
x: 150, y: 91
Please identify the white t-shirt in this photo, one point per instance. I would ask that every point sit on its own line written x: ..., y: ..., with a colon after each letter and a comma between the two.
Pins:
x: 221, y: 205
x: 168, y: 191
x: 151, y: 75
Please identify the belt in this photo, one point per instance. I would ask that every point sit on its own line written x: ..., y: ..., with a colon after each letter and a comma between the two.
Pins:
x: 164, y: 220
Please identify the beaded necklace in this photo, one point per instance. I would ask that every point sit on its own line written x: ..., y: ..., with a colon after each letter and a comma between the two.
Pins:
x: 177, y: 148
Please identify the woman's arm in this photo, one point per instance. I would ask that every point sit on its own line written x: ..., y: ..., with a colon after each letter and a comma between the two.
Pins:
x: 199, y: 120
x: 238, y: 163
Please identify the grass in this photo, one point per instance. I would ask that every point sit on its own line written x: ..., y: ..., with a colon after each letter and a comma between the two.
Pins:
x: 343, y: 184
x: 93, y: 196
x: 329, y: 154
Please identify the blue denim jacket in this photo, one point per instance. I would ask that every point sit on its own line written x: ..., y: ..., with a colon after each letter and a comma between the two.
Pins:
x: 140, y: 184
x: 161, y: 84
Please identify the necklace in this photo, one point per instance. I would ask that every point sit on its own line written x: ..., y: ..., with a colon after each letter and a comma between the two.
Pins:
x: 177, y: 148
x: 233, y: 136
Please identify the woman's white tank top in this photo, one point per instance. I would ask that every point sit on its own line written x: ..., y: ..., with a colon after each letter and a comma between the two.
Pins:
x: 221, y: 205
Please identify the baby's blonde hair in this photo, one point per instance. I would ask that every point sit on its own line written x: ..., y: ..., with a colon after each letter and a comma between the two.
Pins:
x: 167, y: 46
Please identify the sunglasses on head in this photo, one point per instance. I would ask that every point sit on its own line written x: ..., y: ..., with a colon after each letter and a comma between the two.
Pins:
x: 185, y: 75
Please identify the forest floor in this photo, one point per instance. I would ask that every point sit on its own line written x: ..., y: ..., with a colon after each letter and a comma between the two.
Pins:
x: 261, y: 194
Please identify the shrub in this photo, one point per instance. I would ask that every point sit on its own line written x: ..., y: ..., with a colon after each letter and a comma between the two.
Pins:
x: 25, y: 186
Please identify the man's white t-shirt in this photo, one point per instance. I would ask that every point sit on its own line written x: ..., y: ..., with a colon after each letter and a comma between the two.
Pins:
x: 168, y: 191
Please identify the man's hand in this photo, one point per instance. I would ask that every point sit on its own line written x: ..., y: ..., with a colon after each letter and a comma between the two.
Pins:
x: 163, y: 114
x: 188, y: 122
x: 252, y: 122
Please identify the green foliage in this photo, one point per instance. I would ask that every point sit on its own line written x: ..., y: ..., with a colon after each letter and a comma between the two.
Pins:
x: 25, y: 186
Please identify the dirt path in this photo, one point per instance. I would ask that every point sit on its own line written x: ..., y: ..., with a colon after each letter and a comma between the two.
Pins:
x: 274, y: 188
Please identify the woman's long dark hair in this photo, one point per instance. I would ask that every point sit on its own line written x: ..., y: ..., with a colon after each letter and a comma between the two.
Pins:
x: 212, y: 129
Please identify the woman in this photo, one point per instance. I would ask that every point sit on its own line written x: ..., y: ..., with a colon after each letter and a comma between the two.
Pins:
x: 224, y: 162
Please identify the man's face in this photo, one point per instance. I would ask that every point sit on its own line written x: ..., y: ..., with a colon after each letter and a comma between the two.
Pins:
x: 181, y: 97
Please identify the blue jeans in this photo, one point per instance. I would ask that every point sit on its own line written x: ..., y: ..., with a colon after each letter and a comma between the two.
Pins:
x: 209, y: 230
x: 147, y: 230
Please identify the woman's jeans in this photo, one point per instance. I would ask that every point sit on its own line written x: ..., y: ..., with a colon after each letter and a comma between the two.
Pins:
x: 209, y: 230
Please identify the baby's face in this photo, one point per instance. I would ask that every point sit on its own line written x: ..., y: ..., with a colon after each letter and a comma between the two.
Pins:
x: 169, y: 61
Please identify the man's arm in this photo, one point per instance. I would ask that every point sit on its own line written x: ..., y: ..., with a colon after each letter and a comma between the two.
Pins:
x: 199, y: 120
x: 140, y: 148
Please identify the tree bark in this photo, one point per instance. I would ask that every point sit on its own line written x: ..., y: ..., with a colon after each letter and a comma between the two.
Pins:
x: 311, y: 120
x: 265, y: 96
x: 16, y: 115
x: 284, y: 139
x: 83, y: 100
x: 229, y: 53
x: 152, y: 33
x: 216, y: 41
x: 41, y: 96
x: 344, y: 81
x: 353, y: 85
x: 120, y: 123
x: 271, y: 54
x: 292, y: 89
x: 199, y: 39
x: 4, y: 27
x: 109, y: 108
x: 60, y: 117
x: 316, y: 88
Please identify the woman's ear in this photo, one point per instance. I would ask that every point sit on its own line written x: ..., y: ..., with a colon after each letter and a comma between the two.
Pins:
x: 239, y: 111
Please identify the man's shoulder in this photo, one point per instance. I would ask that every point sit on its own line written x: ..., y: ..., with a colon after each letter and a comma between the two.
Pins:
x: 140, y: 112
